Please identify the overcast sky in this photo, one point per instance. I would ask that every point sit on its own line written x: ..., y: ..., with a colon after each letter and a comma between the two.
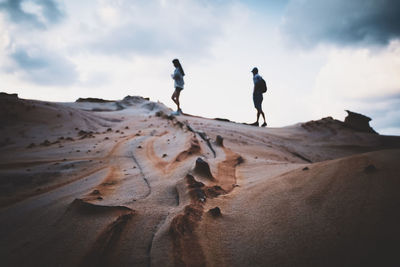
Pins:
x: 319, y: 58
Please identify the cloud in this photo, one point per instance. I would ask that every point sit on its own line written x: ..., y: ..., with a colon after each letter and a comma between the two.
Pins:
x: 342, y: 22
x: 361, y: 80
x: 113, y: 29
x: 361, y: 73
x: 386, y: 115
x: 34, y: 56
x: 36, y: 13
x: 43, y: 67
x: 156, y: 27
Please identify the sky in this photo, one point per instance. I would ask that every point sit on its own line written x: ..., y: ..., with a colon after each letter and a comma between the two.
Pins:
x: 319, y: 58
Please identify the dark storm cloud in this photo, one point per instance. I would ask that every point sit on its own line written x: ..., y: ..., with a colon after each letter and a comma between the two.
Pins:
x: 49, y: 10
x: 44, y: 68
x: 343, y: 22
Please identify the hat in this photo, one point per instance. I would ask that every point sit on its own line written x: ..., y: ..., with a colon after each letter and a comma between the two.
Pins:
x: 254, y: 70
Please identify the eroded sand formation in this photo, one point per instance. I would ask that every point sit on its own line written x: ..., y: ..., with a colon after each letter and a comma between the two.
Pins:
x: 123, y: 183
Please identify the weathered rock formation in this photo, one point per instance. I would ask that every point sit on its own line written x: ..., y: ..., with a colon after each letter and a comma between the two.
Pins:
x: 358, y: 122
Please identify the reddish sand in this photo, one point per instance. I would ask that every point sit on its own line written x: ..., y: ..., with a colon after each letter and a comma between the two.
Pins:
x: 121, y: 184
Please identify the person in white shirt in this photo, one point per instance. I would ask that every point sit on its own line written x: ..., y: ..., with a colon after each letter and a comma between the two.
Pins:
x: 257, y: 98
x: 179, y: 83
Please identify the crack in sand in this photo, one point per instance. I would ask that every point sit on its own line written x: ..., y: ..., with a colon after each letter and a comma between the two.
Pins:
x: 132, y: 155
x: 109, y: 183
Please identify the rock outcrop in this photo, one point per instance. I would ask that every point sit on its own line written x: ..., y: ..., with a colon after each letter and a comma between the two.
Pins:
x: 358, y: 122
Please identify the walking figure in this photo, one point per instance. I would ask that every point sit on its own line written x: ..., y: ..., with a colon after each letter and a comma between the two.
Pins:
x: 179, y: 83
x: 260, y: 87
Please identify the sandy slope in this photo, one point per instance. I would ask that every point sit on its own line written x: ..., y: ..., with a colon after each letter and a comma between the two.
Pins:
x: 117, y: 184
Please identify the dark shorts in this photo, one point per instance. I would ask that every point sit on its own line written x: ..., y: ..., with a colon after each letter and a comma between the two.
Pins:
x: 178, y: 89
x: 257, y: 99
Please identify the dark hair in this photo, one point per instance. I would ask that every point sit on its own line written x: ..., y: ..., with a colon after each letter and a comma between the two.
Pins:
x: 178, y: 64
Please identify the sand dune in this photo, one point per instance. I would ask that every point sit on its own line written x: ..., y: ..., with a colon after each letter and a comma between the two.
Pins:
x: 124, y: 183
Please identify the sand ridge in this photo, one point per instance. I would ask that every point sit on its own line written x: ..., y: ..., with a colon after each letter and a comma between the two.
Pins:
x: 125, y: 183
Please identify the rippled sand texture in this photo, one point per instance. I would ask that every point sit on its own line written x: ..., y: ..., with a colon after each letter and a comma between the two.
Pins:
x: 124, y: 183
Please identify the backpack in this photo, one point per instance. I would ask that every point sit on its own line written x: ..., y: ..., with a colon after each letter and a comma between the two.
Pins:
x: 261, y: 86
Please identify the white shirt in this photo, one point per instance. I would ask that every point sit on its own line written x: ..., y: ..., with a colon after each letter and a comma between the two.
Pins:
x: 177, y: 76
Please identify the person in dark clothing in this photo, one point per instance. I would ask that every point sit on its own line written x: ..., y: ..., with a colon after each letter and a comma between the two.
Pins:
x: 177, y: 76
x: 258, y: 98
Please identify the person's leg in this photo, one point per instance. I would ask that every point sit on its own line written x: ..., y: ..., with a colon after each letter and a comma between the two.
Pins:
x: 256, y: 102
x: 258, y: 116
x: 265, y: 123
x: 173, y: 97
x: 263, y: 115
x: 262, y: 112
x: 178, y: 93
